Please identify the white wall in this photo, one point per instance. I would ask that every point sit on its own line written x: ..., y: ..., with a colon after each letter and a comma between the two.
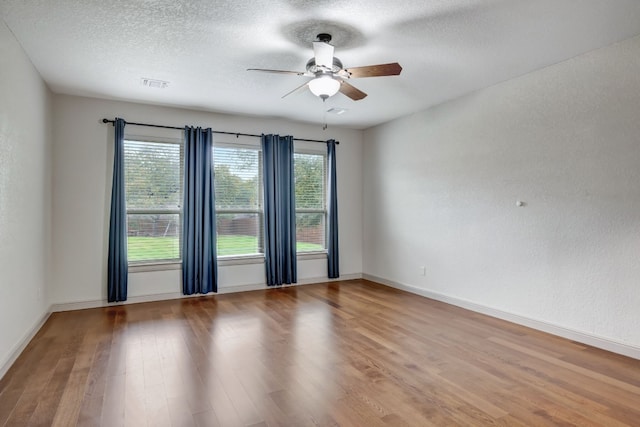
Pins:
x: 440, y: 191
x: 82, y: 187
x: 25, y: 197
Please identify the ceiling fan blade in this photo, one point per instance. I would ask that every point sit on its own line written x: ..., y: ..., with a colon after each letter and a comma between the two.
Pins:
x: 323, y: 52
x: 264, y: 70
x: 351, y: 91
x: 298, y: 89
x: 391, y: 69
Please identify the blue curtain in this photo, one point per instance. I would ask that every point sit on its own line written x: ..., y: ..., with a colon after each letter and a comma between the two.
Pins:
x: 279, y: 210
x: 333, y: 258
x: 117, y: 264
x: 199, y: 266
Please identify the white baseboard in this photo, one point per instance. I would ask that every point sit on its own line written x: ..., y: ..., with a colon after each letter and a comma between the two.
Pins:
x: 571, y: 334
x: 22, y: 344
x: 81, y: 305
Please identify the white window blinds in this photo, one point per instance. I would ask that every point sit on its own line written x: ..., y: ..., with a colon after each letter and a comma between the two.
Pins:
x: 238, y: 188
x: 153, y: 187
x: 311, y: 212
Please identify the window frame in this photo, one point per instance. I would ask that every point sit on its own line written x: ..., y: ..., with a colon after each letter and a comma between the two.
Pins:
x: 312, y: 150
x: 253, y: 257
x: 257, y: 258
x: 300, y: 148
x: 158, y: 264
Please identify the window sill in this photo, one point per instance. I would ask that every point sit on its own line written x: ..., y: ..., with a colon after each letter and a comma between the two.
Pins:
x: 259, y: 259
x: 159, y: 266
x: 240, y: 260
x: 303, y: 256
x: 222, y: 262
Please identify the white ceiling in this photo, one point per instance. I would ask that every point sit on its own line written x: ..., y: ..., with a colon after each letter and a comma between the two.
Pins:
x: 102, y: 48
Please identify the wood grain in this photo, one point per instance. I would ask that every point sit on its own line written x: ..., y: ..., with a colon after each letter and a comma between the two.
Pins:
x: 347, y: 353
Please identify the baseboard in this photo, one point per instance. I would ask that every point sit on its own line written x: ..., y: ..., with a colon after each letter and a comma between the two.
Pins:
x: 574, y: 335
x: 17, y: 350
x: 81, y: 305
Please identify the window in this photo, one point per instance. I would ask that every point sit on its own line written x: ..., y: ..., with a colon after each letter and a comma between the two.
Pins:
x: 239, y: 212
x: 310, y: 170
x: 239, y: 205
x: 153, y: 189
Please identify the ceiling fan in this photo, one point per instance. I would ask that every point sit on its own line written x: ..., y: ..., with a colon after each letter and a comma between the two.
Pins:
x: 329, y: 76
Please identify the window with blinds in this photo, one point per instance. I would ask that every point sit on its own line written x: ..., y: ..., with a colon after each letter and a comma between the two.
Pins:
x: 239, y: 212
x: 153, y: 189
x: 239, y: 207
x: 310, y: 171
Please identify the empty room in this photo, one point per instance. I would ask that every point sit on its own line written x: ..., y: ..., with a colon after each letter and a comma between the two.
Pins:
x: 320, y: 213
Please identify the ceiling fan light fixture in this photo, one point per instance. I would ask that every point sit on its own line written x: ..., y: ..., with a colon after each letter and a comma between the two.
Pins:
x: 324, y: 86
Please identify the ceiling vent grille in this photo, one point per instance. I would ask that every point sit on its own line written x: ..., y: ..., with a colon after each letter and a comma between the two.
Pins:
x: 154, y: 83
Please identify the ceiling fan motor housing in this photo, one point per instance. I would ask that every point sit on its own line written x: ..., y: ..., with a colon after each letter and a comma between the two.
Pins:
x: 314, y: 69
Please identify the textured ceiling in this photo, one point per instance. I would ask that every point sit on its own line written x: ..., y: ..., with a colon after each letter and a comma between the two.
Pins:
x: 447, y: 48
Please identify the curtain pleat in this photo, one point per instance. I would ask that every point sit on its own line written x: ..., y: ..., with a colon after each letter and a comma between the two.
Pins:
x: 199, y: 264
x: 333, y: 258
x: 279, y: 210
x: 117, y: 263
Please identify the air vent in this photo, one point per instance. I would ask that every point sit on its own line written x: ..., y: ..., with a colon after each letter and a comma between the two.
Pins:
x: 158, y: 84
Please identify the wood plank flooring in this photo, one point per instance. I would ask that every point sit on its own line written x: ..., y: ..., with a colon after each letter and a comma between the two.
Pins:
x: 350, y: 353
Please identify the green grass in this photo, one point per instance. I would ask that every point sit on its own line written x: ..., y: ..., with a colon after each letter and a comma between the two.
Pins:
x: 308, y: 247
x: 152, y: 248
x: 237, y: 245
x: 166, y: 248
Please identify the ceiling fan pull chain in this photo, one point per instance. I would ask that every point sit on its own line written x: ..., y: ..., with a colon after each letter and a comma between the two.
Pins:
x: 324, y: 115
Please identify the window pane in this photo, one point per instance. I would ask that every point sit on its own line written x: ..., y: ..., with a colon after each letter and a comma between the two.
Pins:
x: 152, y: 175
x: 310, y: 232
x: 153, y: 237
x: 153, y: 181
x: 310, y: 178
x: 237, y: 180
x: 239, y: 234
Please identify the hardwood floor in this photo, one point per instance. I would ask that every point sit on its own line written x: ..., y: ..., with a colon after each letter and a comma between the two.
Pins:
x: 346, y: 353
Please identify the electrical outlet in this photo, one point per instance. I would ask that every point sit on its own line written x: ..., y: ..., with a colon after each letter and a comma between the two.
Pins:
x: 423, y: 270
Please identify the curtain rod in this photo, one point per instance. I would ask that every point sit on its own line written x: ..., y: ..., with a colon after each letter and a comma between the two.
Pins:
x: 237, y: 134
